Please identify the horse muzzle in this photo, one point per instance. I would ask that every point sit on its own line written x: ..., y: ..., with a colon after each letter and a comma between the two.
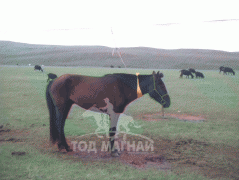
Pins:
x: 166, y: 101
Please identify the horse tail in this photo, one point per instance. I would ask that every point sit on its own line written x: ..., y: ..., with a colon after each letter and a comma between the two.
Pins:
x: 52, y: 112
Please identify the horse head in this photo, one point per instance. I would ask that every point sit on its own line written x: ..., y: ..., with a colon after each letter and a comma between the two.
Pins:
x: 158, y: 90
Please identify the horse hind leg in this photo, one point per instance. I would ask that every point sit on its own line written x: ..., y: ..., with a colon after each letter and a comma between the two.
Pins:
x: 62, y: 144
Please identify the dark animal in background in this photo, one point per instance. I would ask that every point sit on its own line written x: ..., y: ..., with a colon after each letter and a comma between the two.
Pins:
x: 186, y: 73
x: 108, y: 94
x: 37, y: 67
x: 51, y: 76
x: 228, y: 70
x: 221, y: 68
x: 192, y: 70
x: 199, y: 74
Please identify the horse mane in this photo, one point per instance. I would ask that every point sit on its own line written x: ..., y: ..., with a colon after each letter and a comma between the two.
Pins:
x: 128, y: 79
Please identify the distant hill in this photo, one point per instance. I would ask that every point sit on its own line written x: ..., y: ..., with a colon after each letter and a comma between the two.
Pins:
x: 12, y: 53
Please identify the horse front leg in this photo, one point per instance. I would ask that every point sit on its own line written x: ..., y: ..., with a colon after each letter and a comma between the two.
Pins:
x: 112, y: 133
x: 113, y: 124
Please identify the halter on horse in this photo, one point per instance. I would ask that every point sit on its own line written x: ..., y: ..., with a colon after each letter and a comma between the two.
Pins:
x: 109, y: 94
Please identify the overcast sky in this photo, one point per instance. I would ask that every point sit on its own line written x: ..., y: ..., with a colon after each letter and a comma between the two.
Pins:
x: 160, y: 24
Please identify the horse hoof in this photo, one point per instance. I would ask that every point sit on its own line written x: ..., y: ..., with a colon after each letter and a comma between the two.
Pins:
x: 60, y: 147
x: 115, y: 153
x: 69, y: 150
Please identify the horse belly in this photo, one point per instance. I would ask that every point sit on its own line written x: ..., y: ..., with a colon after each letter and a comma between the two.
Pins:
x: 86, y: 97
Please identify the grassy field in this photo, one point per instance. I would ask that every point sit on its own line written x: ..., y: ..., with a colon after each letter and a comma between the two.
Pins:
x: 212, y: 145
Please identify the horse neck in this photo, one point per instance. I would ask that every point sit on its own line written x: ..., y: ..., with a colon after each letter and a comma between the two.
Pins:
x: 145, y: 82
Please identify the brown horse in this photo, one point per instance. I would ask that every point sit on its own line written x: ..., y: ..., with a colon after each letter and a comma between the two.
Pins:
x: 109, y: 94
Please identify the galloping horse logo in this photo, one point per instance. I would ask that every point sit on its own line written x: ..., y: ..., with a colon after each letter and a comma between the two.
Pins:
x: 102, y: 121
x: 125, y: 124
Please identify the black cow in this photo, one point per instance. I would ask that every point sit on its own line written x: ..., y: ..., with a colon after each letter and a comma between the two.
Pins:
x: 221, y: 68
x: 38, y: 68
x: 51, y: 76
x: 192, y: 70
x: 186, y: 73
x: 228, y: 70
x: 199, y: 74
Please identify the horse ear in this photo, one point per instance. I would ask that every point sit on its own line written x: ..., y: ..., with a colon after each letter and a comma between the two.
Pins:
x: 161, y: 75
x: 153, y: 72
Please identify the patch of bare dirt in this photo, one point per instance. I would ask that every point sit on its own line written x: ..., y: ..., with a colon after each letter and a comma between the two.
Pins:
x: 139, y: 160
x: 133, y: 159
x: 160, y: 117
x: 144, y: 161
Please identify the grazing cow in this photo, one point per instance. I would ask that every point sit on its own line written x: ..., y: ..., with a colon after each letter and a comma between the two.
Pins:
x: 186, y: 73
x: 38, y: 68
x: 199, y: 74
x: 192, y: 70
x: 228, y: 70
x: 51, y: 76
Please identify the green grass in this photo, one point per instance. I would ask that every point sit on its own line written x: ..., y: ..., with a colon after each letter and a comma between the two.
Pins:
x: 23, y: 106
x: 35, y: 165
x: 214, y: 98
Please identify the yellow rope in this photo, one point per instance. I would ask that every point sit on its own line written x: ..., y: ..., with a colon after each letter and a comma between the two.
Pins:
x: 139, y: 92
